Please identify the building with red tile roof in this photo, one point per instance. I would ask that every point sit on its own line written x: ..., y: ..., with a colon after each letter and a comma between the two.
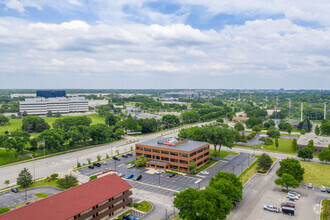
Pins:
x: 97, y: 199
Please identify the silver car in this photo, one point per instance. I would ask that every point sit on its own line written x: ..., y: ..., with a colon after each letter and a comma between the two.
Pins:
x: 323, y: 189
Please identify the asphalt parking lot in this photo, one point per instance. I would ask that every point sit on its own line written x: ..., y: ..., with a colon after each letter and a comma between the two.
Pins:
x: 163, y: 184
x: 10, y: 199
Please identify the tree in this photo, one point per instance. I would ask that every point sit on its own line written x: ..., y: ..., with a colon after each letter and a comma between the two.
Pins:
x: 276, y: 143
x: 324, y: 155
x: 98, y: 157
x: 306, y: 125
x: 21, y: 139
x: 239, y: 126
x: 190, y: 117
x: 205, y: 204
x: 33, y: 143
x: 289, y: 128
x: 317, y: 130
x: 252, y: 122
x: 68, y: 122
x: 265, y: 162
x: 74, y: 135
x: 53, y: 176
x: 24, y: 114
x: 49, y: 114
x: 287, y: 181
x: 256, y: 128
x: 68, y: 181
x: 218, y: 135
x: 7, y: 182
x: 192, y: 166
x: 111, y: 119
x: 273, y: 133
x: 294, y: 144
x: 141, y: 161
x: 310, y: 145
x: 99, y: 133
x: 24, y: 178
x: 3, y: 120
x: 305, y: 153
x: 89, y: 160
x: 302, y: 131
x: 34, y: 123
x: 292, y: 167
x: 325, y: 128
x: 170, y: 121
x: 52, y: 138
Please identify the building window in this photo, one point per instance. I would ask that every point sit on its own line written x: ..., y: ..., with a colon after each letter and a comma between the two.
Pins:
x: 192, y: 154
x: 147, y: 149
x: 183, y: 161
x: 138, y: 154
x: 174, y: 154
x: 183, y: 155
x: 206, y: 148
x: 155, y: 151
x: 165, y: 152
x: 174, y: 160
x: 147, y: 155
x: 139, y: 148
x: 165, y: 158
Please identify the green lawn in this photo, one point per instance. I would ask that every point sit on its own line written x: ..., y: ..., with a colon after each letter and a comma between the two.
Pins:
x: 143, y: 206
x: 325, y: 209
x: 223, y: 153
x: 175, y: 217
x: 284, y: 146
x: 251, y: 170
x: 52, y: 183
x: 4, y: 209
x: 316, y: 173
x: 41, y: 195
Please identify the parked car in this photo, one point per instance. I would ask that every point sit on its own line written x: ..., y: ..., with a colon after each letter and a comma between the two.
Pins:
x: 128, y: 217
x: 310, y: 185
x: 328, y: 190
x: 97, y: 164
x: 121, y: 174
x: 292, y: 197
x: 14, y: 189
x: 124, y: 155
x: 106, y: 170
x: 159, y: 172
x: 130, y: 176
x: 271, y: 208
x: 129, y: 154
x: 138, y: 177
x: 288, y: 204
x: 323, y: 189
x: 204, y: 172
x: 288, y: 210
x: 116, y: 158
x: 131, y: 165
x: 91, y: 166
x: 171, y: 175
x: 294, y: 193
x: 104, y: 163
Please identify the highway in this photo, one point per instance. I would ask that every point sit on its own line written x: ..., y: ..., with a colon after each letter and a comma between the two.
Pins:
x: 63, y: 164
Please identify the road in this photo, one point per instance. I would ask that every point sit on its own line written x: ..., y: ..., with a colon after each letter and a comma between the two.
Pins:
x: 62, y: 164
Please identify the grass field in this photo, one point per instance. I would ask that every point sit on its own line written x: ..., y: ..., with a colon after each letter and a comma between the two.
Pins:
x: 17, y: 123
x: 316, y: 173
x: 143, y: 206
x: 251, y: 170
x: 284, y: 146
x: 325, y: 209
x: 52, y: 183
x: 223, y: 153
x: 41, y: 195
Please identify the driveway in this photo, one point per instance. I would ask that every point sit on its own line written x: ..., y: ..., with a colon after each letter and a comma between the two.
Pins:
x: 10, y: 198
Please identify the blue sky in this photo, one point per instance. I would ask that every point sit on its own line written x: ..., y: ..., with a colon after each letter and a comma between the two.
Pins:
x: 165, y: 44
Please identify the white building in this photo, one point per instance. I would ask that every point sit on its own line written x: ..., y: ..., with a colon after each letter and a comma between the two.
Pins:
x: 40, y: 106
x: 94, y: 103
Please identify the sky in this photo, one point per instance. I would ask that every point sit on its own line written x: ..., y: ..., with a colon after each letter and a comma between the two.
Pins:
x: 149, y: 44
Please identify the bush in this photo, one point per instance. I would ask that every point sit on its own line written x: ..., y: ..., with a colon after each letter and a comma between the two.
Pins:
x: 92, y: 177
x: 251, y: 136
x: 78, y: 164
x: 98, y: 158
x: 303, y: 131
x: 53, y: 176
x: 4, y: 209
x: 68, y: 181
x: 262, y: 171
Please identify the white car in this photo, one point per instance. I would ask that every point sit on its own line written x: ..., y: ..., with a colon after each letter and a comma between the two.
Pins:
x: 294, y: 193
x: 204, y: 172
x: 323, y: 189
x: 292, y: 197
x: 129, y: 166
x: 159, y: 172
x: 271, y: 208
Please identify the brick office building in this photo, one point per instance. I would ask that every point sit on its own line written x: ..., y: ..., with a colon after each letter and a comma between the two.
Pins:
x: 97, y: 199
x: 173, y: 153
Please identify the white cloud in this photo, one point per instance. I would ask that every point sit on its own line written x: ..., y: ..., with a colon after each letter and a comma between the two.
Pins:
x: 16, y: 5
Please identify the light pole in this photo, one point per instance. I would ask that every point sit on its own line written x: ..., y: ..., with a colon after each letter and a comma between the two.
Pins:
x: 159, y: 180
x: 34, y: 169
x: 166, y: 214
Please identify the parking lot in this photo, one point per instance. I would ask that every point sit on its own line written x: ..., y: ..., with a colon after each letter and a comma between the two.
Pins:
x: 10, y: 198
x: 163, y: 184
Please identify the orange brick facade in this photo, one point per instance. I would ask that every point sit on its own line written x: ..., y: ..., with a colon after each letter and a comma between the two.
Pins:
x: 172, y: 158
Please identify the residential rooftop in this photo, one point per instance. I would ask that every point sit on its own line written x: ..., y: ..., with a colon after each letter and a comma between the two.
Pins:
x: 187, y: 145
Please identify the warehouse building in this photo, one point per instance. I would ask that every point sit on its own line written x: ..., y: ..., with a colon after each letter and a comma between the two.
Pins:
x: 173, y: 153
x: 98, y: 199
x: 320, y: 142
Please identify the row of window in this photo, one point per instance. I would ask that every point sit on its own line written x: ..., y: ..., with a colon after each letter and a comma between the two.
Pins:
x: 170, y: 152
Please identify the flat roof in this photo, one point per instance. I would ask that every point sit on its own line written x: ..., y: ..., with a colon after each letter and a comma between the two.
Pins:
x: 319, y: 141
x: 71, y: 202
x: 188, y: 146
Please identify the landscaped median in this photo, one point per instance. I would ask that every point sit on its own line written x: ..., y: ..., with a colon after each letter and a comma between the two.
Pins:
x: 143, y: 206
x: 252, y: 169
x: 325, y: 211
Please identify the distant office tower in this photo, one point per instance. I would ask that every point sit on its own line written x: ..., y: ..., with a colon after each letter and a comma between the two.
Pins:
x: 51, y: 93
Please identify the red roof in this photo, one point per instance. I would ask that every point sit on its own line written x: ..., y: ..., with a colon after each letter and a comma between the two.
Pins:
x: 71, y: 202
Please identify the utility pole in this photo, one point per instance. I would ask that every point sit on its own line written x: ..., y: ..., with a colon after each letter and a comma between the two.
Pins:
x: 325, y: 111
x: 301, y: 112
x: 289, y: 108
x: 34, y: 169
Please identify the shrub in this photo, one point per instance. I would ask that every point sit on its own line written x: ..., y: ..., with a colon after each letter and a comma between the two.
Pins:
x: 303, y: 131
x: 98, y: 158
x: 68, y: 181
x: 89, y: 160
x: 251, y: 136
x: 4, y: 209
x: 262, y: 171
x: 53, y: 176
x: 78, y: 164
x: 107, y: 156
x: 92, y: 177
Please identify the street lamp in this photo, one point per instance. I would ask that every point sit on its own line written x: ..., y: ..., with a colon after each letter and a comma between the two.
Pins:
x: 159, y: 180
x: 165, y: 213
